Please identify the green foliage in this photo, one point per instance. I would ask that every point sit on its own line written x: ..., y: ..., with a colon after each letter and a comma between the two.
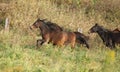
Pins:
x: 20, y: 57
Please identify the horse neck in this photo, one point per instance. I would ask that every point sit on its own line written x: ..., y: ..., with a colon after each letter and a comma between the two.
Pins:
x: 54, y: 26
x: 44, y: 29
x: 102, y: 34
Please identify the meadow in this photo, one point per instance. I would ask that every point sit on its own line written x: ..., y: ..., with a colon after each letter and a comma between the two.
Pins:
x: 18, y: 51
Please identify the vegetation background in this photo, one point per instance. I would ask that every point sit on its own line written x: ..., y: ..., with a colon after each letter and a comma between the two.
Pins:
x: 17, y: 47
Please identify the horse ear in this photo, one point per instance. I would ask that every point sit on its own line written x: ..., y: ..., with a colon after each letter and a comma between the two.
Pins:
x: 38, y: 19
x: 44, y: 19
x: 96, y: 24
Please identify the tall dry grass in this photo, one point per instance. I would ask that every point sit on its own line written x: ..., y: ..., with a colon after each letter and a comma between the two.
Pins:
x: 24, y: 13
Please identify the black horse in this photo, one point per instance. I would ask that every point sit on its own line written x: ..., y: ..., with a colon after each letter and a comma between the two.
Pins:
x: 108, y: 37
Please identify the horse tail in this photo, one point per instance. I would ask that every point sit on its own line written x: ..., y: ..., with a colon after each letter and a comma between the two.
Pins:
x: 81, y: 39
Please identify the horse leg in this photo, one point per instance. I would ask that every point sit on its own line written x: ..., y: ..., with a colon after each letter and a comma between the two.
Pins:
x: 73, y: 42
x: 110, y: 43
x: 86, y: 44
x: 107, y: 44
x: 44, y: 42
x: 72, y: 45
x: 113, y: 44
x: 39, y: 42
x: 46, y: 39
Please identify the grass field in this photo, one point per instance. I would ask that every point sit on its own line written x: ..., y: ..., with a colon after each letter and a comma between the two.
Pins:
x: 18, y: 52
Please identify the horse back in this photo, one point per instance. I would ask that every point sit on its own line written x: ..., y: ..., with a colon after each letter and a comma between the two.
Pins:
x: 116, y: 37
x: 63, y: 37
x: 116, y: 30
x: 71, y: 36
x: 54, y: 26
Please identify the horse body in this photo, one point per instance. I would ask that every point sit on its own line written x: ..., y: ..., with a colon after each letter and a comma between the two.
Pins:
x: 116, y: 37
x: 53, y: 33
x: 63, y: 37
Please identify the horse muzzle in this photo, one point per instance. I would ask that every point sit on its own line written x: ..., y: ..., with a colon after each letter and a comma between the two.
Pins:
x: 31, y: 27
x: 89, y: 32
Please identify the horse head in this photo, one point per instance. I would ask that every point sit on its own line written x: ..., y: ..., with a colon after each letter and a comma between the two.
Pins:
x: 94, y: 28
x: 37, y: 23
x: 97, y: 28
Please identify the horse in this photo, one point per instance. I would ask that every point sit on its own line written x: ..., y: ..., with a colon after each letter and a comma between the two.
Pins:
x: 53, y: 33
x: 108, y: 37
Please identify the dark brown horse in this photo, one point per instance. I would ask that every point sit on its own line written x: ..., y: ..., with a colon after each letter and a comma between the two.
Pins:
x: 109, y: 37
x: 53, y: 33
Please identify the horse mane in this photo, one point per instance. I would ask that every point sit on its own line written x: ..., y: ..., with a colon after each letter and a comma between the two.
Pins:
x: 105, y: 30
x: 54, y: 26
x: 44, y: 23
x: 51, y: 25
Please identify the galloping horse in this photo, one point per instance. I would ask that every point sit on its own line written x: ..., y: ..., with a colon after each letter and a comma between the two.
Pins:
x: 53, y: 33
x: 109, y: 37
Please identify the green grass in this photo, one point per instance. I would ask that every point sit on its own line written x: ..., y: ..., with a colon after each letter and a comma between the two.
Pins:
x: 20, y: 57
x: 18, y: 52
